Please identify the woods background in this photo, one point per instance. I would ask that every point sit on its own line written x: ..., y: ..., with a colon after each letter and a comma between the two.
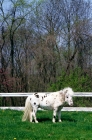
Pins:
x: 45, y: 45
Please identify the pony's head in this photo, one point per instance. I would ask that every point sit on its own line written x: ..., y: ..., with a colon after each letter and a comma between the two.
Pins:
x: 68, y: 92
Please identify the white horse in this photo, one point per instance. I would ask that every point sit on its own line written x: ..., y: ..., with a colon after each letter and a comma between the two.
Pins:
x: 53, y: 101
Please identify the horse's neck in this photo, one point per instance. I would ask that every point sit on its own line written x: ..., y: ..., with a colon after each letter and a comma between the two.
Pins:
x: 62, y: 97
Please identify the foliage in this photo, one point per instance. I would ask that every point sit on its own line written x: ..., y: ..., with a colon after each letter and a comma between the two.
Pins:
x: 82, y: 101
x: 75, y: 125
x: 40, y: 37
x: 77, y: 79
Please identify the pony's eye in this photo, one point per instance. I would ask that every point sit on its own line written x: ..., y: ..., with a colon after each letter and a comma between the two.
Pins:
x: 66, y: 96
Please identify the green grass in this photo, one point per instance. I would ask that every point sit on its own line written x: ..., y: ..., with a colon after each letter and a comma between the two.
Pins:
x: 75, y: 126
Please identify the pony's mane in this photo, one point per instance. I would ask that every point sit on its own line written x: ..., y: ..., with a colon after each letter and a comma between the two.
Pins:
x: 70, y: 91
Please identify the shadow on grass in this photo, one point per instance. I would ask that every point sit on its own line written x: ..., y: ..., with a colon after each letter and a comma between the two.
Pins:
x: 64, y: 119
x: 47, y: 117
x: 44, y: 120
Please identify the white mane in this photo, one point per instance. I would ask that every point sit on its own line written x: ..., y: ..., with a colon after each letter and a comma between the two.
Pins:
x: 68, y: 90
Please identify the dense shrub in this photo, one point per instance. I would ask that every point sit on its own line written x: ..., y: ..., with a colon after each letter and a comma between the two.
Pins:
x: 76, y: 79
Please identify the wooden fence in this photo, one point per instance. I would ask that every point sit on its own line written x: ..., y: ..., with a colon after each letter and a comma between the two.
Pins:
x: 77, y: 94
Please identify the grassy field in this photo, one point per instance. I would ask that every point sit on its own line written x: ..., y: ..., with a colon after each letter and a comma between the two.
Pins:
x: 75, y: 126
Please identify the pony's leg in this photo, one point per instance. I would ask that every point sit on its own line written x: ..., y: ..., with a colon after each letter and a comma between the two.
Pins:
x: 59, y: 114
x: 31, y: 117
x: 54, y: 115
x: 34, y: 114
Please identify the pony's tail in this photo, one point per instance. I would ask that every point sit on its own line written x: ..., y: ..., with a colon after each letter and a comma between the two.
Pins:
x: 27, y: 110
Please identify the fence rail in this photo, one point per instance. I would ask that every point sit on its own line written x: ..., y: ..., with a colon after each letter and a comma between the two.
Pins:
x: 76, y: 94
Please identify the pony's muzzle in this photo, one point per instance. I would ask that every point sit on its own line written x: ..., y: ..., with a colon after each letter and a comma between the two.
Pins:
x: 71, y: 103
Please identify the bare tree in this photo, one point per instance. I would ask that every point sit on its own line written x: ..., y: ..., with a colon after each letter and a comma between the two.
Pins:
x: 38, y: 41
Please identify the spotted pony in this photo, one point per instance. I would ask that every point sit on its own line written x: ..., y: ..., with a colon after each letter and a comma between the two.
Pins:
x: 52, y: 101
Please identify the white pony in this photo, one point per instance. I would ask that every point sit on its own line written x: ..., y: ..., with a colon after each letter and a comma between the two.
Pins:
x: 53, y: 101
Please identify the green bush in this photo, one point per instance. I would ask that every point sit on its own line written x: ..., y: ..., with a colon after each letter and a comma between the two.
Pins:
x: 76, y: 79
